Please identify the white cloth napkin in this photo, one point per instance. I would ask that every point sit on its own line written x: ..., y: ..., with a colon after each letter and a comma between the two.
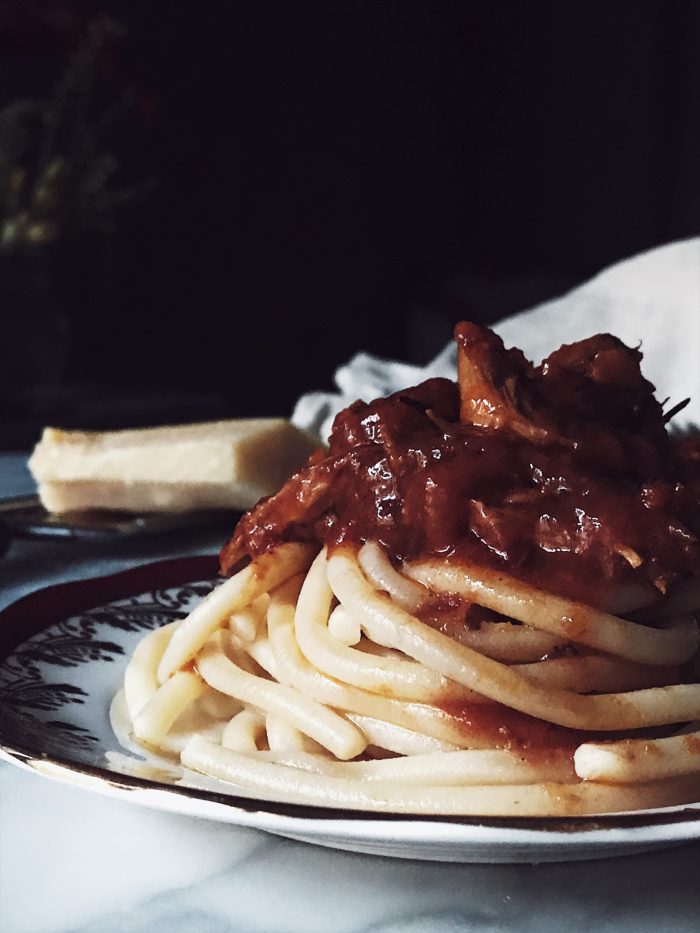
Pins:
x: 652, y: 299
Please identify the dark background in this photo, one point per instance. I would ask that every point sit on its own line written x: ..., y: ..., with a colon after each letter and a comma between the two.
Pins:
x: 341, y: 176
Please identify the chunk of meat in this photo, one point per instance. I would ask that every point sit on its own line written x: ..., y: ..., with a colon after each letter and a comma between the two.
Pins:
x: 492, y: 384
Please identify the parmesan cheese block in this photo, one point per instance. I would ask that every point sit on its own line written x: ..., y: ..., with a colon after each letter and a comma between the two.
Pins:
x: 216, y: 465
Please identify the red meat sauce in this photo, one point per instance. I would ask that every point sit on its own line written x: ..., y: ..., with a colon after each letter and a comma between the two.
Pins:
x: 498, y: 726
x: 562, y: 474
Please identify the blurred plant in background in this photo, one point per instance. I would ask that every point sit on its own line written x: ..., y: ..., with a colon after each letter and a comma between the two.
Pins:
x: 69, y: 124
x: 58, y: 176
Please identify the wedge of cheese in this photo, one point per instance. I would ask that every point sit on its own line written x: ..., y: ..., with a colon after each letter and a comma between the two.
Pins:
x: 216, y: 465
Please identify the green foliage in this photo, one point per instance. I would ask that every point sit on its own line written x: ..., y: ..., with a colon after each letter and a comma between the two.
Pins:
x: 57, y: 176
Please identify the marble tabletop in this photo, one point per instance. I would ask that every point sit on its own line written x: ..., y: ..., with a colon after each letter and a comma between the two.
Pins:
x: 74, y: 861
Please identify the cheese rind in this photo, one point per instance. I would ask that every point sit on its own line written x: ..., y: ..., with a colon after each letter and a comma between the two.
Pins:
x: 222, y: 464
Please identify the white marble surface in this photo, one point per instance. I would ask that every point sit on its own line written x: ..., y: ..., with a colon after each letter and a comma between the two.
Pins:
x: 74, y: 861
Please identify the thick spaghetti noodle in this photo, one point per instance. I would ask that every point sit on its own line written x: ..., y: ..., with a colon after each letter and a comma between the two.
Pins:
x: 476, y: 604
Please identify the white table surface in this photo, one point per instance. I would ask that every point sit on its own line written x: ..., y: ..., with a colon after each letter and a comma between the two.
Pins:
x: 74, y: 861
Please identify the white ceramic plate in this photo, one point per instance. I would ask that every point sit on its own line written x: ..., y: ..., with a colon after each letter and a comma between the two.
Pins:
x: 62, y: 656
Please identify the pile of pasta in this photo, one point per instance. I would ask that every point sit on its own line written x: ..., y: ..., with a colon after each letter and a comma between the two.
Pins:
x: 309, y: 677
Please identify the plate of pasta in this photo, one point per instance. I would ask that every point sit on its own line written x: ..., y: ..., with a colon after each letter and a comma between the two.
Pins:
x: 466, y: 630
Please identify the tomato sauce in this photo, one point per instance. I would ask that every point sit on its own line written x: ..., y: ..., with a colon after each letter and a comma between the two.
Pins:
x: 562, y: 474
